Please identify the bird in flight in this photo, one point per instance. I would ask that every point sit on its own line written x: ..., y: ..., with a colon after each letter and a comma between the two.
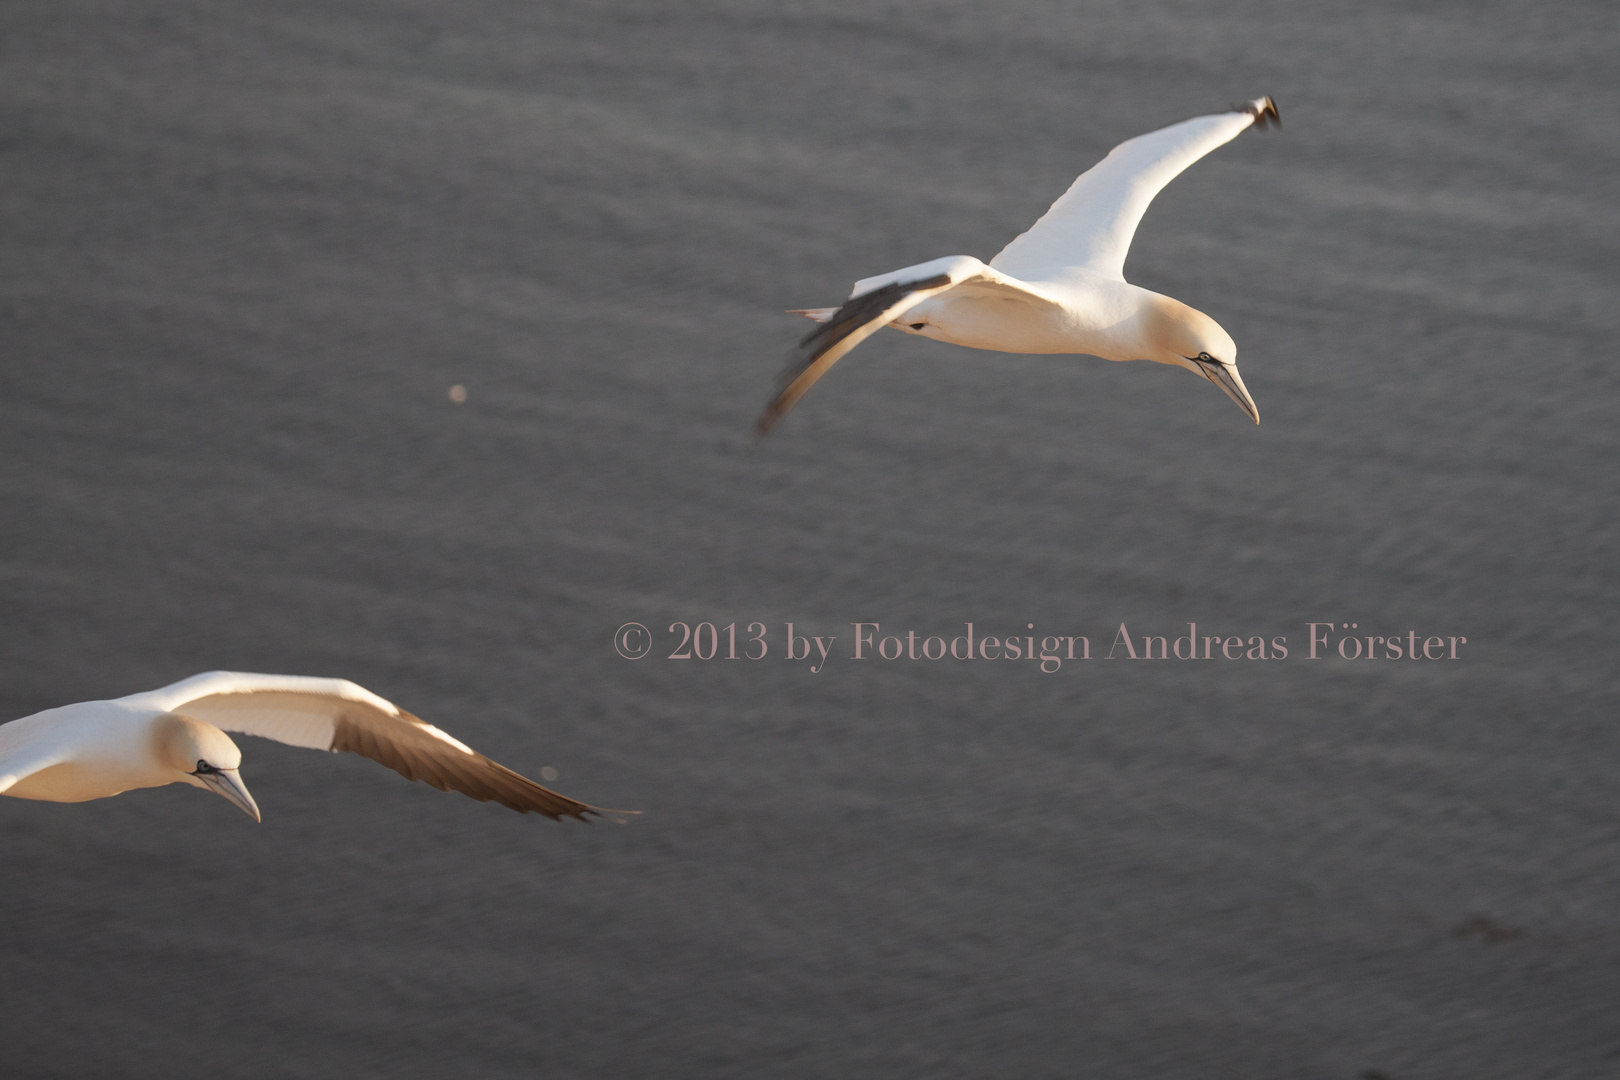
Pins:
x: 1058, y: 288
x: 176, y: 735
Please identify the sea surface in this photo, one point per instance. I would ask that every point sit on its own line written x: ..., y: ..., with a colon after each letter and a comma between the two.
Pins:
x: 246, y: 250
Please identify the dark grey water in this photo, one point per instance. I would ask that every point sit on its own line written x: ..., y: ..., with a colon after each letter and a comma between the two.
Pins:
x: 248, y: 247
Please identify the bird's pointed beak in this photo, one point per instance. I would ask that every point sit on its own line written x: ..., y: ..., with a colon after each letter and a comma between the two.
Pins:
x: 228, y: 782
x: 1227, y: 378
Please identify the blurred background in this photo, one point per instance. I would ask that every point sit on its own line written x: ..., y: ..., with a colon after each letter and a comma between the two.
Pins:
x: 246, y: 251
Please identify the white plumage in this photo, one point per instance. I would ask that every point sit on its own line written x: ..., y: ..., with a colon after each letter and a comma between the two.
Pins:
x: 1058, y: 288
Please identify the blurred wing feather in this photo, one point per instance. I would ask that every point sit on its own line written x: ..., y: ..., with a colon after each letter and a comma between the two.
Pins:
x: 845, y: 328
x: 412, y: 749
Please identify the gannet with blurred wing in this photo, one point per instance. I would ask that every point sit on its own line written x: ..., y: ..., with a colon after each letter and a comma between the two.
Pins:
x: 176, y: 735
x: 1058, y: 288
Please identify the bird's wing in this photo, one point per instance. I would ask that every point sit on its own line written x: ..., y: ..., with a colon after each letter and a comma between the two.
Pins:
x: 337, y: 715
x: 875, y: 302
x: 1091, y: 225
x: 19, y: 762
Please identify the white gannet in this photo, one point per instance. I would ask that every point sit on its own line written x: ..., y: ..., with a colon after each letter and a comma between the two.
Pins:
x: 1058, y: 288
x: 176, y: 735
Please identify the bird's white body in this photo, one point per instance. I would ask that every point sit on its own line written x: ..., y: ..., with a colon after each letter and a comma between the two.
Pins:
x: 1059, y: 287
x: 81, y: 752
x: 1082, y: 313
x: 95, y: 749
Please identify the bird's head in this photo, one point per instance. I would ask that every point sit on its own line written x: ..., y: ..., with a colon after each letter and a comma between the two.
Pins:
x: 205, y: 757
x: 1186, y: 337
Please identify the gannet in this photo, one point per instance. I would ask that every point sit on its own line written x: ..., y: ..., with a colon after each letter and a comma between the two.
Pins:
x: 176, y: 735
x: 1058, y: 288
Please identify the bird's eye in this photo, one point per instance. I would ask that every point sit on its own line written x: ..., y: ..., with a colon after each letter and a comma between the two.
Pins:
x: 918, y: 325
x: 203, y: 768
x: 1205, y: 356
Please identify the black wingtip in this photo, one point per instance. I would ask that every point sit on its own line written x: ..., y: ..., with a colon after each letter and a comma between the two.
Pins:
x: 1263, y: 109
x: 767, y: 419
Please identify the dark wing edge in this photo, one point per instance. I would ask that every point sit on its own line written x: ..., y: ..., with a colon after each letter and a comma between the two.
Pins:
x: 854, y: 322
x: 1263, y: 109
x: 417, y: 755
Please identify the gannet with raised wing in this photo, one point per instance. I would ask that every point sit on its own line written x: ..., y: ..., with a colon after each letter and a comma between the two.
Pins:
x: 1058, y: 288
x: 176, y: 735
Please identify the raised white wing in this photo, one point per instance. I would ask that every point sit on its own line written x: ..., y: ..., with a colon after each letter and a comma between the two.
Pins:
x: 1090, y: 227
x: 337, y: 715
x: 874, y: 303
